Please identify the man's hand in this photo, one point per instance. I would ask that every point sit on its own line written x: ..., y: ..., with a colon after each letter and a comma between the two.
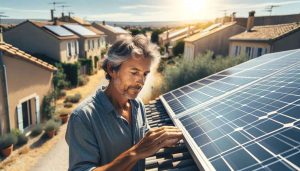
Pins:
x: 156, y: 139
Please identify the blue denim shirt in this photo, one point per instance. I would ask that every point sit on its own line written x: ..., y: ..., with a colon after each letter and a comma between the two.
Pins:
x: 97, y: 134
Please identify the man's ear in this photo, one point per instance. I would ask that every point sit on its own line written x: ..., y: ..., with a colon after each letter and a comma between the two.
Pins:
x: 110, y: 69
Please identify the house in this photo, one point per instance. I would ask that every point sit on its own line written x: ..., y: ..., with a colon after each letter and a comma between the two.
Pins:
x: 25, y: 80
x: 89, y: 42
x: 214, y: 38
x: 113, y: 33
x: 46, y: 39
x: 172, y: 36
x: 259, y: 40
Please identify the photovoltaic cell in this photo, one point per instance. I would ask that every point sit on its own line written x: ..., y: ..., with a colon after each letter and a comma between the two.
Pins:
x: 59, y: 31
x: 79, y: 29
x: 252, y: 123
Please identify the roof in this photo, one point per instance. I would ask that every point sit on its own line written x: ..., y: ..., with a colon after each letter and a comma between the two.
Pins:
x: 80, y: 30
x: 42, y: 25
x: 7, y: 48
x: 176, y: 32
x: 116, y: 30
x: 268, y: 32
x: 94, y: 30
x: 178, y: 157
x: 80, y: 21
x: 208, y: 31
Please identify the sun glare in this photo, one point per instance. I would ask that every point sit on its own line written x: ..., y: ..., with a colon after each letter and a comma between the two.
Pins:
x: 193, y: 8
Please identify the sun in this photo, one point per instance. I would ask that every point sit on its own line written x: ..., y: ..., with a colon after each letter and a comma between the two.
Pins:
x: 193, y: 9
x: 194, y: 6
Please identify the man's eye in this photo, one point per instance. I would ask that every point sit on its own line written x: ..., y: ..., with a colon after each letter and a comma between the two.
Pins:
x: 134, y: 73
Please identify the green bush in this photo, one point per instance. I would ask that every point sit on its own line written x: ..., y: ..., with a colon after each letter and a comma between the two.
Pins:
x: 37, y: 130
x: 73, y: 99
x: 178, y: 48
x: 22, y: 139
x: 186, y: 71
x: 89, y: 64
x: 59, y: 78
x: 48, y: 107
x: 68, y: 105
x: 83, y: 80
x: 51, y: 125
x: 62, y: 93
x: 7, y: 140
x: 72, y: 73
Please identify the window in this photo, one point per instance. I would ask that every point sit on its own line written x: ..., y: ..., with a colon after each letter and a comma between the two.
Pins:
x: 99, y: 42
x: 69, y: 48
x: 76, y: 47
x: 237, y: 50
x: 93, y: 44
x: 266, y: 50
x: 248, y: 51
x: 259, y: 52
x: 89, y: 44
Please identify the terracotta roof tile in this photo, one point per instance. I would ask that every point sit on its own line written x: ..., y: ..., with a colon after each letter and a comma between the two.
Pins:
x: 268, y: 32
x: 7, y: 48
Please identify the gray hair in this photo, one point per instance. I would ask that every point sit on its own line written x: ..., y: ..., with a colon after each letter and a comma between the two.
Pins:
x: 128, y: 47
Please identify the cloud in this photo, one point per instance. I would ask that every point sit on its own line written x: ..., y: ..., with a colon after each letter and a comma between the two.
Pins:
x: 23, y: 10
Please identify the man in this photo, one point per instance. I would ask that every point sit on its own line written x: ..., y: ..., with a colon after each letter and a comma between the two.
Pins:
x: 109, y: 130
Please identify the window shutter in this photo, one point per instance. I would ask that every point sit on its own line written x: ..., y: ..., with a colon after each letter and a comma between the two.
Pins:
x: 37, y: 109
x: 20, y: 117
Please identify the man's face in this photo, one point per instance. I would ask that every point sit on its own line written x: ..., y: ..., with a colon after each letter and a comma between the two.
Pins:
x: 130, y: 78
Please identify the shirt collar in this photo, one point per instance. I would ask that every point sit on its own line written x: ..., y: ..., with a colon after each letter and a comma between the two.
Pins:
x: 107, y: 105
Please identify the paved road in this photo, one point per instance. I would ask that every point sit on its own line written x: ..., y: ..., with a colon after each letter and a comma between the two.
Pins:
x: 58, y: 157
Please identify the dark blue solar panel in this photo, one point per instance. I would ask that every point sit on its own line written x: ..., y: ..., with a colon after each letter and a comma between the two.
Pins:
x: 218, y: 84
x: 253, y: 123
x: 59, y: 31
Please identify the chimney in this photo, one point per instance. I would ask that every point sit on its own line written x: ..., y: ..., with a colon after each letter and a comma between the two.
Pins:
x: 250, y: 21
x: 62, y: 15
x: 55, y: 21
x: 52, y: 14
x: 103, y: 22
x: 233, y: 16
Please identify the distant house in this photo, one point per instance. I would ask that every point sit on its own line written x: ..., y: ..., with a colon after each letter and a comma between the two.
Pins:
x: 214, y: 38
x: 172, y: 36
x: 259, y: 40
x: 25, y: 80
x: 77, y: 20
x: 112, y: 33
x: 89, y: 42
x: 44, y: 39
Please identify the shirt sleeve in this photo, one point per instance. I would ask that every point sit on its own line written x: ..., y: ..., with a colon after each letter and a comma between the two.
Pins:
x: 83, y: 148
x: 144, y: 117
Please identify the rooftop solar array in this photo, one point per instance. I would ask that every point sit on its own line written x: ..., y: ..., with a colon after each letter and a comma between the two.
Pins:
x: 59, y: 31
x: 244, y: 118
x: 79, y: 29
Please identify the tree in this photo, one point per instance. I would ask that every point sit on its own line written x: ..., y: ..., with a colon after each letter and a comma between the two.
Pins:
x: 178, y: 48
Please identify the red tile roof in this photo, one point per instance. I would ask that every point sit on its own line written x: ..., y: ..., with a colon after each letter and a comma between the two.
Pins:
x: 7, y: 48
x: 268, y: 32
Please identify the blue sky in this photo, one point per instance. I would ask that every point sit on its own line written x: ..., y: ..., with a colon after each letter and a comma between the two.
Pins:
x: 146, y: 10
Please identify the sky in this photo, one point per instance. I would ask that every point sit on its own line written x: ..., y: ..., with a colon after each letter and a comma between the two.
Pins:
x: 146, y: 10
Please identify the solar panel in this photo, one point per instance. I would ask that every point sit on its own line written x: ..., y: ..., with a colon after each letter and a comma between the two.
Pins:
x: 58, y: 30
x: 79, y: 29
x: 254, y: 124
